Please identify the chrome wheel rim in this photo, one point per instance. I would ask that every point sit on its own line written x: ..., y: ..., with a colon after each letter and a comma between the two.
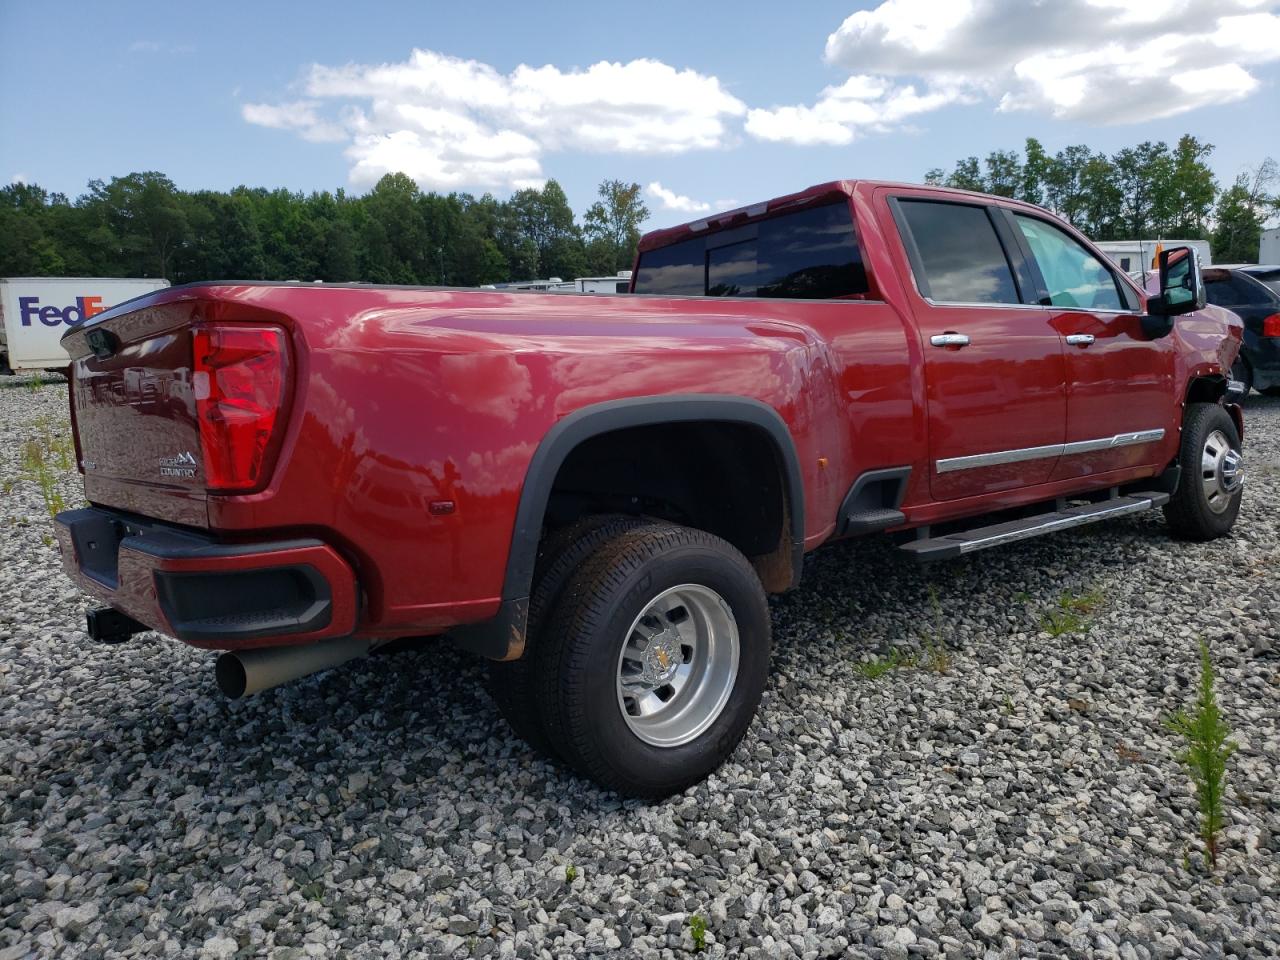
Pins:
x: 1221, y: 471
x: 677, y: 665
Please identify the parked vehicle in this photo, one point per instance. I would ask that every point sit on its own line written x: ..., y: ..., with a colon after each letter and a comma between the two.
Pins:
x: 36, y: 311
x: 598, y: 492
x: 1139, y: 256
x: 1269, y: 246
x: 1253, y: 293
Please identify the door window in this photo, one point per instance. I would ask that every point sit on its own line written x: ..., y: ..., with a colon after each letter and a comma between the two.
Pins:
x: 1074, y: 277
x: 960, y: 256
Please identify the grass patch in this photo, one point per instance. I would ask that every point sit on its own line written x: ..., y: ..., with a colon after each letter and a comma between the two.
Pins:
x: 570, y: 873
x: 1071, y: 613
x: 877, y: 667
x: 1208, y: 747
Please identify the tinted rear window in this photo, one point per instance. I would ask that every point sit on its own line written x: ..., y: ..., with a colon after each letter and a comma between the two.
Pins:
x: 960, y: 256
x: 807, y: 255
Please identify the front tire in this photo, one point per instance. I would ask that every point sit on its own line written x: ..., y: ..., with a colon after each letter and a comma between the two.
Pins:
x: 1207, y: 501
x: 655, y: 661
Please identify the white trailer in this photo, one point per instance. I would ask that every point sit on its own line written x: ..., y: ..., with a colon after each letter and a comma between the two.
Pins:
x: 1269, y: 246
x: 1136, y: 256
x: 37, y: 311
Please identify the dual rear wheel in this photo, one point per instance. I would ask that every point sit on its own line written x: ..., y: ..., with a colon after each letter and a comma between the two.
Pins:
x: 649, y: 651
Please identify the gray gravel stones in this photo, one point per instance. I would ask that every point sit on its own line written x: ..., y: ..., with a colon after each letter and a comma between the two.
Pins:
x: 1022, y: 804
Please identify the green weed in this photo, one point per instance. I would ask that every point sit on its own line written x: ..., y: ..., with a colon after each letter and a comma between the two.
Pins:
x: 1071, y: 613
x: 36, y: 468
x: 570, y: 873
x: 1205, y: 756
x: 895, y: 659
x: 35, y: 383
x: 698, y: 931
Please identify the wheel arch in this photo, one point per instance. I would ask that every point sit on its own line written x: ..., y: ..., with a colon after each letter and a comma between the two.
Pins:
x: 503, y: 637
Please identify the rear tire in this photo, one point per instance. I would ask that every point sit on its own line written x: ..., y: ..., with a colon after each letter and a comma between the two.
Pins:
x: 656, y: 660
x: 1207, y: 501
x: 511, y: 682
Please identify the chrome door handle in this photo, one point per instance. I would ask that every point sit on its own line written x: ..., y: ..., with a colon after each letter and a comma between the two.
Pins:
x: 1080, y: 339
x: 950, y: 340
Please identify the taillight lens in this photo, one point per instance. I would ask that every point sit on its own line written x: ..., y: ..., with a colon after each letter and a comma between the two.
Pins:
x: 238, y: 375
x: 1271, y: 325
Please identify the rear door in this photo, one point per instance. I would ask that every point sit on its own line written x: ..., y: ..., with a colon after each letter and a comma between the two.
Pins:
x: 994, y: 368
x: 1119, y: 381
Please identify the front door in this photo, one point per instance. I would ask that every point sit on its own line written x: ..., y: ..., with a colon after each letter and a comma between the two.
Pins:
x: 1119, y: 381
x: 995, y: 372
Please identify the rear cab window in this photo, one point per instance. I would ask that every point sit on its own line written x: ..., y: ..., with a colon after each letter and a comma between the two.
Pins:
x: 955, y: 252
x: 809, y: 254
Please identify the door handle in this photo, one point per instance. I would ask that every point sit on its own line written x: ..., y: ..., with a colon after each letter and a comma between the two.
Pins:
x: 950, y: 340
x: 1080, y: 339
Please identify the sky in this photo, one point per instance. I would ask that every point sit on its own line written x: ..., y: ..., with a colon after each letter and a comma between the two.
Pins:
x: 709, y: 105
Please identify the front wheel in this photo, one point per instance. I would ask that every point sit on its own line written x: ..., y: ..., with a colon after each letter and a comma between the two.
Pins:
x: 656, y: 660
x: 1207, y: 501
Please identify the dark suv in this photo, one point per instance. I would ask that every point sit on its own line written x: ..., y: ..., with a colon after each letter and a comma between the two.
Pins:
x: 1253, y: 292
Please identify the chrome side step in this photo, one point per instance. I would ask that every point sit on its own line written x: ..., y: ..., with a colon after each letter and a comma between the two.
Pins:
x: 980, y: 538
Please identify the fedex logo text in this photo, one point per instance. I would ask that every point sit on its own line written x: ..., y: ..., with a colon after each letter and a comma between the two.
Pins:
x: 78, y: 312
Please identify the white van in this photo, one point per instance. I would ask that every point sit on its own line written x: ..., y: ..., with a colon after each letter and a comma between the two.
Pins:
x: 37, y: 311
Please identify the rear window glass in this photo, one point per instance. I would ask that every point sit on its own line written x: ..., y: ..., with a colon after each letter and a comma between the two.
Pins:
x: 960, y: 255
x: 807, y: 255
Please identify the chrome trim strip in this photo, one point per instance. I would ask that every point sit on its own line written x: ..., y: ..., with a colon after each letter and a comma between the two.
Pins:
x: 976, y: 460
x: 1000, y: 457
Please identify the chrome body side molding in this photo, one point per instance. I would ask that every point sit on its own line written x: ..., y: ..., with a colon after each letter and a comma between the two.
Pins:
x: 1000, y: 457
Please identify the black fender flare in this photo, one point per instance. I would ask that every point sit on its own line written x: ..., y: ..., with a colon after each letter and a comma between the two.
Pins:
x: 503, y: 637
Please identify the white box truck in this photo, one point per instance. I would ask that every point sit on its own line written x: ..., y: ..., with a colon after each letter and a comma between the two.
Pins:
x: 1269, y: 246
x: 37, y: 311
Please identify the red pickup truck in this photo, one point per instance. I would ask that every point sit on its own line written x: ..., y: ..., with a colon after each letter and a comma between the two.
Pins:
x: 598, y: 492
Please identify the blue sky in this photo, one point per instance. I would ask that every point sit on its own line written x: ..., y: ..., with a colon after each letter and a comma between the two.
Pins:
x: 716, y: 103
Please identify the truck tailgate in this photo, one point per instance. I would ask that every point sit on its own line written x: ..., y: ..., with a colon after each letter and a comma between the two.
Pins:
x: 135, y: 414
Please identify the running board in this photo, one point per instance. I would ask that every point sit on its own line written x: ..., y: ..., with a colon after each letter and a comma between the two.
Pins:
x: 980, y: 538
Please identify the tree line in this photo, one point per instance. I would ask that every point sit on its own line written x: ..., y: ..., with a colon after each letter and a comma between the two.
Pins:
x: 142, y: 225
x: 1148, y: 191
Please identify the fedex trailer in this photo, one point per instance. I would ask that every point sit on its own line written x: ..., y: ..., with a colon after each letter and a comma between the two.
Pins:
x: 36, y: 312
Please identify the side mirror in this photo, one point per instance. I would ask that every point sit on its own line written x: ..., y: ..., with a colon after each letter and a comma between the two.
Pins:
x: 1181, y: 284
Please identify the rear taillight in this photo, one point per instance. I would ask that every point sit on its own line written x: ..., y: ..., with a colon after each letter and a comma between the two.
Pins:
x: 239, y: 375
x: 1271, y: 325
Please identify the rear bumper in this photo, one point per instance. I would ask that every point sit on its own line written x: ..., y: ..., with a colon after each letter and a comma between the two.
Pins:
x: 1263, y: 354
x: 205, y: 592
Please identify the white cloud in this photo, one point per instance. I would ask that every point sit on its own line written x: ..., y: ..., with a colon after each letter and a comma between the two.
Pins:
x: 861, y: 103
x: 1101, y: 61
x: 671, y: 200
x: 300, y: 116
x: 19, y: 178
x: 452, y: 123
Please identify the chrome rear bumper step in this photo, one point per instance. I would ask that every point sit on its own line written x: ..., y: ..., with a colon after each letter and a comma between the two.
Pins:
x: 980, y: 538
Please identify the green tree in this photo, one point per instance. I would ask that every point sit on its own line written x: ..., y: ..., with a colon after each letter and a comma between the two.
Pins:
x: 1242, y: 212
x: 1035, y: 172
x: 1004, y: 175
x: 612, y: 226
x: 967, y: 175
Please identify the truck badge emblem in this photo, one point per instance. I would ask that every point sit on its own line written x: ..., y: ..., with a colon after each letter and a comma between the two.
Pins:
x: 182, y: 466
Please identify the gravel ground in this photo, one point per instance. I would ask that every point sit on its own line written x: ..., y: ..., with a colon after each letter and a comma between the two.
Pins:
x: 1022, y: 803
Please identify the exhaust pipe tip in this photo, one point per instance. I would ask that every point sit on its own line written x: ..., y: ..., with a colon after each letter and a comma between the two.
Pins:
x: 231, y: 676
x: 242, y: 672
